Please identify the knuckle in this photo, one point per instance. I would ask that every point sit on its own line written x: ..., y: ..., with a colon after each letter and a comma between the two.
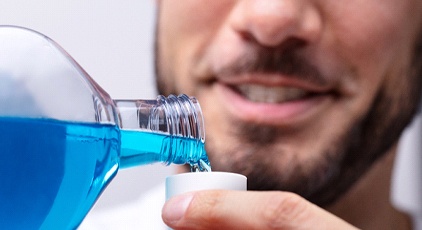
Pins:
x: 283, y: 209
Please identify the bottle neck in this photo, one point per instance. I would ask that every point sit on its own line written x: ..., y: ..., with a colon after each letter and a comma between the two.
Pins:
x: 178, y: 116
x: 177, y: 121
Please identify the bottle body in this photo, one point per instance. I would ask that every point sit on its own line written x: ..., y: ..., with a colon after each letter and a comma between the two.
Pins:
x: 68, y: 164
x: 63, y: 139
x: 55, y: 170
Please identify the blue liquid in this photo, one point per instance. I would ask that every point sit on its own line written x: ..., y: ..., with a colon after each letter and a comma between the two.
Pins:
x: 52, y: 172
x: 176, y: 149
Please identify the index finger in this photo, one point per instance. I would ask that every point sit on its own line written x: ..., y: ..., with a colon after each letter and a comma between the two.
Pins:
x: 223, y: 209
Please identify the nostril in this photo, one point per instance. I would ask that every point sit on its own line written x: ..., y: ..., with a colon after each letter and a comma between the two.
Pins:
x: 287, y: 45
x: 247, y: 37
x: 290, y: 43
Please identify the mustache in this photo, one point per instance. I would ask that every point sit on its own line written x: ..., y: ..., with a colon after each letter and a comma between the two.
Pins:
x: 286, y: 60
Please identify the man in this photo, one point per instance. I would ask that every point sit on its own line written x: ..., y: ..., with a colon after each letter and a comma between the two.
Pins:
x: 306, y: 98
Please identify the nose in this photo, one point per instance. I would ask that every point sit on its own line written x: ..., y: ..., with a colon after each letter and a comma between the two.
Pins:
x: 270, y: 22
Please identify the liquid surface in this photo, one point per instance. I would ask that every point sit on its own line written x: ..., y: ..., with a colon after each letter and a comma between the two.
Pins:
x: 52, y: 172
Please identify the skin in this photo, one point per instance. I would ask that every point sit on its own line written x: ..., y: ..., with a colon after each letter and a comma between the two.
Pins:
x: 355, y: 65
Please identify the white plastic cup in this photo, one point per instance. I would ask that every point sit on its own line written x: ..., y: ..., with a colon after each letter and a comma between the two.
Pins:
x: 195, y: 181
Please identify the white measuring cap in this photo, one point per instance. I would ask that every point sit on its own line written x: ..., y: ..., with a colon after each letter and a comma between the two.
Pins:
x: 194, y: 181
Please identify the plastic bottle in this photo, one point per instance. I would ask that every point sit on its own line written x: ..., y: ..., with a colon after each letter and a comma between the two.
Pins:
x: 63, y: 139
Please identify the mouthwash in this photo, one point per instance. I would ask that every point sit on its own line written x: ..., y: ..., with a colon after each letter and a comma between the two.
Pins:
x: 63, y: 138
x: 53, y: 171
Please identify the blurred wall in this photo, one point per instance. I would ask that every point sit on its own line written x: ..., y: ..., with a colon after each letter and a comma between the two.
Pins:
x: 113, y: 42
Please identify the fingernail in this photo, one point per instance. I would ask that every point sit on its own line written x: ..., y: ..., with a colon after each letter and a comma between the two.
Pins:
x: 175, y: 208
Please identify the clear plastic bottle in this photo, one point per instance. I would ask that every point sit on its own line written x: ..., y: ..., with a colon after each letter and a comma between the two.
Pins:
x: 63, y: 139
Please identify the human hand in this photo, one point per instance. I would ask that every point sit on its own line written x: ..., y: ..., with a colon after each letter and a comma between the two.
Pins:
x: 224, y: 209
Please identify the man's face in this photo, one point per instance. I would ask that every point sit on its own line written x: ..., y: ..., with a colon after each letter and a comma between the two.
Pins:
x: 297, y: 95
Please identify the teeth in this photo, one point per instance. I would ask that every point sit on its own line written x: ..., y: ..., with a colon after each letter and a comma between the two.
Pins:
x: 259, y: 93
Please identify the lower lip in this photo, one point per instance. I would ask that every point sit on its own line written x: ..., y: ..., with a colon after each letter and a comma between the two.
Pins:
x: 286, y: 113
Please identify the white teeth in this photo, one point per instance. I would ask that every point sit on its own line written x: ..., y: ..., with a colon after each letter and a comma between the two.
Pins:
x: 264, y: 94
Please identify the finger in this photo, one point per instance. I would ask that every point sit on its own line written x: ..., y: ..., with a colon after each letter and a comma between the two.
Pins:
x: 247, y: 210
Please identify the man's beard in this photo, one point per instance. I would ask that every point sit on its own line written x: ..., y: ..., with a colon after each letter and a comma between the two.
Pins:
x: 348, y: 157
x: 327, y: 177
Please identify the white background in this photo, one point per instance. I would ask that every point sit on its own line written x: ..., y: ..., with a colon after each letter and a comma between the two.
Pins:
x: 113, y: 42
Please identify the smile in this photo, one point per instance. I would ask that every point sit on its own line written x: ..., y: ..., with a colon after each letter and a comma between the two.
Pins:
x: 281, y: 105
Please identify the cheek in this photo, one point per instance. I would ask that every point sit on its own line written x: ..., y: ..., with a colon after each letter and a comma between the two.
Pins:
x: 185, y: 31
x: 193, y: 16
x: 371, y: 36
x: 190, y: 25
